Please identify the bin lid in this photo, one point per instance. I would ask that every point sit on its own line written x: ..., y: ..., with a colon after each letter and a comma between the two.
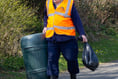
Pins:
x: 33, y: 40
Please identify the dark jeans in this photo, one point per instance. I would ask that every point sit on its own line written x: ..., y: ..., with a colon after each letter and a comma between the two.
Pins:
x: 69, y: 50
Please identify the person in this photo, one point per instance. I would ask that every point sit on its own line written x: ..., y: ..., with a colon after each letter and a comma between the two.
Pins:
x: 61, y: 21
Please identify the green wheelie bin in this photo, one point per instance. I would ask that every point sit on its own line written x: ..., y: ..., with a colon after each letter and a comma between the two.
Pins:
x: 34, y: 49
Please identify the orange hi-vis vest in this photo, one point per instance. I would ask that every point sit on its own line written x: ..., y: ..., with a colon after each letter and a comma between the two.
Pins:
x: 59, y: 20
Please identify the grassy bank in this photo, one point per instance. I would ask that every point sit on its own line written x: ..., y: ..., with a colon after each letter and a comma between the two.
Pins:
x: 106, y: 50
x: 12, y: 75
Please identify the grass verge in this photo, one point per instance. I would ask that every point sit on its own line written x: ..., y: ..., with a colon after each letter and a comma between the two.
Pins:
x: 12, y: 75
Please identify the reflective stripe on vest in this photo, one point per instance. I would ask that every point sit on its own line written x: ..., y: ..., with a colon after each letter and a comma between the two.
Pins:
x: 62, y: 27
x: 48, y: 6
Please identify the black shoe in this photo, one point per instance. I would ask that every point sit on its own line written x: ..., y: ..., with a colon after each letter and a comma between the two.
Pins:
x: 53, y: 77
x: 48, y: 77
x: 73, y: 76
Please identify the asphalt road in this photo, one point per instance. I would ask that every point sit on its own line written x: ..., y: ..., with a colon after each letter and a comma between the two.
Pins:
x: 104, y: 71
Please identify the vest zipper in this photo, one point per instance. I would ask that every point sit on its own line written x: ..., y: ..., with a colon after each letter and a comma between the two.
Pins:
x: 54, y: 30
x: 53, y: 21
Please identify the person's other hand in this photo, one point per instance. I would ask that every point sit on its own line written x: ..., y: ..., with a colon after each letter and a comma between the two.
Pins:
x: 84, y: 38
x: 44, y: 29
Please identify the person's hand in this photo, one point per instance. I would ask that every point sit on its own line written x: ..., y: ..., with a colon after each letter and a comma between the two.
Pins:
x: 84, y: 38
x: 44, y: 29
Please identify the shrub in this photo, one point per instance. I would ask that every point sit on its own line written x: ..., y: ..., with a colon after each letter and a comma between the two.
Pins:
x: 16, y: 20
x: 110, y: 31
x: 37, y: 5
x: 97, y: 13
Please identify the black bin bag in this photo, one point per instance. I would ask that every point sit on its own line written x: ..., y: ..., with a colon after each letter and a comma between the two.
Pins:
x: 89, y: 57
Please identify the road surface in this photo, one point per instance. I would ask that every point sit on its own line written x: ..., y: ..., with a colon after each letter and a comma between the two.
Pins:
x: 104, y: 71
